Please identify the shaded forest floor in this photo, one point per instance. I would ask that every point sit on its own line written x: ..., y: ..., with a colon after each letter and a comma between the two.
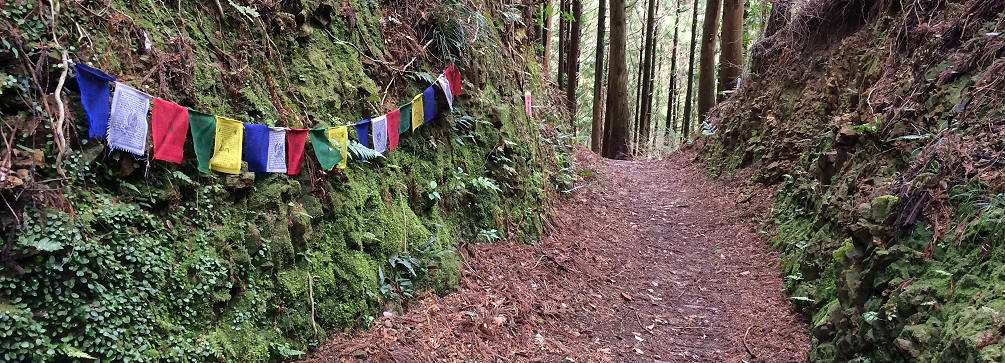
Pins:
x: 649, y: 262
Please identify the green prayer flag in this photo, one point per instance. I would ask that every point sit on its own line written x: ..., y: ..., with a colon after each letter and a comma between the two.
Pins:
x: 203, y: 128
x: 406, y: 118
x: 328, y: 155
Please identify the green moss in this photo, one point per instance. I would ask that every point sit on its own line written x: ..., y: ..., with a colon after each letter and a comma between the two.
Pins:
x: 841, y: 253
x: 882, y: 206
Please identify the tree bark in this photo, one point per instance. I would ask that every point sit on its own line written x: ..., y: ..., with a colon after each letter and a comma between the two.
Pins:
x: 647, y: 75
x: 637, y: 110
x: 573, y: 59
x: 731, y: 60
x: 706, y: 74
x: 546, y: 36
x: 616, y: 133
x: 672, y: 93
x: 654, y: 93
x: 596, y: 134
x: 688, y: 105
x: 778, y: 18
x: 563, y: 45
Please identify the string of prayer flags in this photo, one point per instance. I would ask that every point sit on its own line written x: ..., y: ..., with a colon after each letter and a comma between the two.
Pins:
x: 417, y: 114
x: 339, y: 136
x: 127, y: 122
x: 95, y: 93
x: 404, y: 118
x: 256, y: 147
x: 445, y: 86
x: 203, y: 127
x: 276, y: 161
x: 169, y: 127
x: 526, y: 102
x: 380, y: 134
x: 227, y: 148
x: 223, y: 144
x: 429, y: 104
x: 295, y: 141
x: 454, y: 76
x: 393, y: 128
x: 328, y: 155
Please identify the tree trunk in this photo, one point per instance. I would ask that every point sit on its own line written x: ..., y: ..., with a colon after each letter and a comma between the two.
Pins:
x: 672, y: 96
x: 706, y: 74
x: 686, y: 117
x: 637, y: 110
x: 731, y: 61
x: 647, y: 75
x: 779, y: 17
x: 596, y: 135
x: 563, y: 44
x: 616, y: 133
x: 573, y: 59
x: 546, y: 38
x: 654, y: 93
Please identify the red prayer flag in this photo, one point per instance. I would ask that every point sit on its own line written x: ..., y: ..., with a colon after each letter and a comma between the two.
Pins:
x: 454, y: 77
x: 393, y: 122
x: 295, y: 140
x: 169, y: 126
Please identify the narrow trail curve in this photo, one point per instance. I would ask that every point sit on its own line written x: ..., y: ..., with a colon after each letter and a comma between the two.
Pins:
x: 651, y: 262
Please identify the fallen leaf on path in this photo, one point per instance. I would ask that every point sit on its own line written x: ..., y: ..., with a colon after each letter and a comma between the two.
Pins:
x: 626, y: 296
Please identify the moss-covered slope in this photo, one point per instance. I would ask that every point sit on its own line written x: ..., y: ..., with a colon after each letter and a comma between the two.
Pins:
x: 127, y: 260
x: 882, y: 123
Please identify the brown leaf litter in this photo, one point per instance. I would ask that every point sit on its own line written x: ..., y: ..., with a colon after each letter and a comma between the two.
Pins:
x: 652, y: 262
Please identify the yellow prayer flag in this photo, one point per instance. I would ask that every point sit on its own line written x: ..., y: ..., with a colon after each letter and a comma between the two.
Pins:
x: 227, y: 148
x: 417, y: 113
x: 339, y: 136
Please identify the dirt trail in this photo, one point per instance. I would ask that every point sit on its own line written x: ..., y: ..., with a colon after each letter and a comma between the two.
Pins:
x: 650, y: 262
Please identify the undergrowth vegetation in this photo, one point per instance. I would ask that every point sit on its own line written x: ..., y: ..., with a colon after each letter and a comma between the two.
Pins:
x: 881, y: 122
x: 116, y: 258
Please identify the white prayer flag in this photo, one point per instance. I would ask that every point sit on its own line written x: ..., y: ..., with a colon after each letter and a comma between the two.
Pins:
x: 127, y: 122
x: 379, y: 129
x: 445, y: 86
x: 277, y: 150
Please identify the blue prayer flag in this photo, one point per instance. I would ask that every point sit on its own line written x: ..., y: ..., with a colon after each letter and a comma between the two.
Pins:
x: 363, y: 134
x: 429, y: 104
x: 256, y: 147
x: 95, y: 96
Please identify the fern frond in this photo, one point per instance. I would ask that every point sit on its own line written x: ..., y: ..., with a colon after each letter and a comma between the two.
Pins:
x: 357, y: 149
x: 75, y: 353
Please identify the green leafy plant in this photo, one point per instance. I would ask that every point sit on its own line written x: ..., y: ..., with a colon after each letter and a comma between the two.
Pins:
x: 870, y: 316
x: 433, y: 194
x: 869, y: 128
x: 485, y: 184
x: 407, y: 267
x: 360, y: 151
x: 489, y: 235
x: 286, y: 352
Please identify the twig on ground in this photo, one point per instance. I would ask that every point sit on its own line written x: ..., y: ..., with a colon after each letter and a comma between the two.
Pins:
x: 745, y: 346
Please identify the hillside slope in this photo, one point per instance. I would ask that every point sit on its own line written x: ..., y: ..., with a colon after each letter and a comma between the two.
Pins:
x: 882, y: 122
x: 126, y: 259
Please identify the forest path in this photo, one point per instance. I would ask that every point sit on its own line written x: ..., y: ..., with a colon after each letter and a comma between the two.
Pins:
x: 649, y: 262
